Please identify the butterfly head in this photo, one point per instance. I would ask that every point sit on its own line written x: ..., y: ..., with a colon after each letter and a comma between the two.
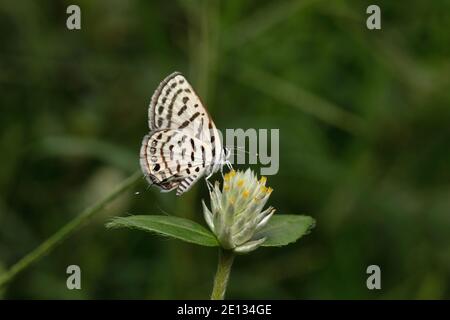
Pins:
x: 227, y: 155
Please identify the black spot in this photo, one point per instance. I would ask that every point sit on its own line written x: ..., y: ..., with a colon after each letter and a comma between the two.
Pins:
x: 197, y: 169
x: 192, y: 156
x: 196, y: 105
x: 164, y: 100
x: 188, y: 171
x: 152, y: 150
x: 192, y: 144
x: 160, y: 121
x: 187, y: 90
x: 185, y: 99
x: 174, y: 85
x: 213, y: 138
x: 183, y: 108
x: 170, y: 107
x: 156, y: 167
x: 160, y: 109
x: 181, y: 81
x: 195, y: 115
x: 178, y: 167
x: 203, y: 157
x: 159, y: 135
x: 184, y: 125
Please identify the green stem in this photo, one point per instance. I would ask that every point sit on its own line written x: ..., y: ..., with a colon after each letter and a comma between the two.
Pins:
x: 48, y: 245
x: 226, y: 258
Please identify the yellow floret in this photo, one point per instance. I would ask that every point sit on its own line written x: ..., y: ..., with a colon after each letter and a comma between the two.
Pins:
x: 263, y: 180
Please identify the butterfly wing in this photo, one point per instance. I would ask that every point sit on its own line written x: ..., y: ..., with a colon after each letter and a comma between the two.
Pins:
x: 175, y: 105
x: 172, y: 159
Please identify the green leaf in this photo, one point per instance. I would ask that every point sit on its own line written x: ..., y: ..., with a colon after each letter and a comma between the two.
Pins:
x: 284, y: 229
x: 173, y: 227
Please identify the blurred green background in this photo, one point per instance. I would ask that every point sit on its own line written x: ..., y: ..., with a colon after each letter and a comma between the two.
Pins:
x: 364, y: 119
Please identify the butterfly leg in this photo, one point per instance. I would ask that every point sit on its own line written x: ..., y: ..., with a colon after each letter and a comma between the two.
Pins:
x: 149, y: 180
x: 228, y: 163
x: 208, y: 176
x: 210, y: 186
x: 208, y: 183
x: 221, y: 171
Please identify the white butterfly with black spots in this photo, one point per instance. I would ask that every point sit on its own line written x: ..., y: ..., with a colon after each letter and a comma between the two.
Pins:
x: 183, y: 144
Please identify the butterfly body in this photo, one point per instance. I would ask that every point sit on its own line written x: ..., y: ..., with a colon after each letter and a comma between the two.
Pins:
x: 183, y: 144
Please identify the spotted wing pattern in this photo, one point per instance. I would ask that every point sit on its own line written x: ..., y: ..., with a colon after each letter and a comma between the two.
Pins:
x: 183, y: 144
x: 172, y: 159
x: 175, y: 105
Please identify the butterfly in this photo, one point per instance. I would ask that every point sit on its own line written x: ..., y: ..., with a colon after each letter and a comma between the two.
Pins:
x: 183, y: 144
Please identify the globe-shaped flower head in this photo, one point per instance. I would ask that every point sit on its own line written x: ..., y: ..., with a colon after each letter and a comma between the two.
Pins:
x: 237, y: 213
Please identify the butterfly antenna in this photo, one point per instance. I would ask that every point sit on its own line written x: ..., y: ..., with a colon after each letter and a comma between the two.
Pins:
x: 228, y: 163
x: 245, y: 151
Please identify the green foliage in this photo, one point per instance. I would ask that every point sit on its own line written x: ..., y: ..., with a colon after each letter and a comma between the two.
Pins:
x: 279, y: 231
x: 173, y: 227
x: 283, y: 229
